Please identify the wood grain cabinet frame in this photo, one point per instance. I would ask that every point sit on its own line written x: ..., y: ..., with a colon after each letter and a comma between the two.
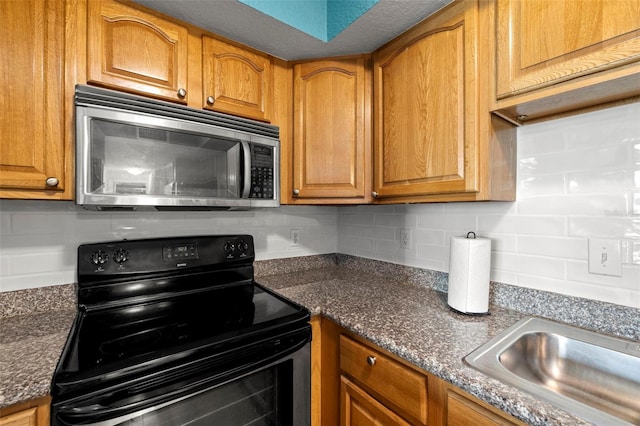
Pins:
x: 434, y: 136
x: 355, y: 382
x: 37, y: 54
x: 332, y: 132
x: 136, y: 51
x: 560, y: 55
x: 236, y: 80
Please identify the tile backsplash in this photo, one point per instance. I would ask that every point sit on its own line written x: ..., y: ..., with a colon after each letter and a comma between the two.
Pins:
x: 38, y: 239
x: 578, y: 178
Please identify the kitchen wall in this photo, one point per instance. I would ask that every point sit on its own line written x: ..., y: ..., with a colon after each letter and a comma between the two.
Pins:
x: 578, y: 178
x: 38, y: 239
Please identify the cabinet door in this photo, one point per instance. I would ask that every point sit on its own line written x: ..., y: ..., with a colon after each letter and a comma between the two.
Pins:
x: 462, y: 411
x: 358, y: 408
x: 136, y: 51
x: 29, y: 413
x: 22, y: 418
x: 32, y: 146
x: 236, y: 80
x: 425, y: 109
x: 543, y: 42
x: 331, y: 143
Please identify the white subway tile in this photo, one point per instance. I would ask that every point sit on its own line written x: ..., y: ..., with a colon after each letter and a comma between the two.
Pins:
x: 547, y: 267
x: 576, y: 205
x: 5, y: 266
x: 357, y: 219
x: 351, y: 244
x: 557, y: 247
x: 428, y: 236
x: 459, y: 223
x: 396, y: 220
x: 531, y: 186
x: 537, y: 225
x: 433, y: 252
x: 579, y: 271
x: 605, y: 227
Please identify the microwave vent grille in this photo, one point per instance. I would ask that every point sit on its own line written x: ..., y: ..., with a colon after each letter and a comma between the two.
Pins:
x: 98, y: 97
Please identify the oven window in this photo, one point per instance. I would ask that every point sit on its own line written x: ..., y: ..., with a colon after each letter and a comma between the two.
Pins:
x: 261, y: 398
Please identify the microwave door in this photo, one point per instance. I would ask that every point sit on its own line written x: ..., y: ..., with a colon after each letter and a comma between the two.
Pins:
x: 246, y: 181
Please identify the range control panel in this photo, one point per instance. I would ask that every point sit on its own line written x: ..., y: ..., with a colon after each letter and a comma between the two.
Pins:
x: 158, y: 255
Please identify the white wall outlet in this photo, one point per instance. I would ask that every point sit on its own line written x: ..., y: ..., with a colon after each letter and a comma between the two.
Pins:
x: 294, y: 238
x: 604, y: 257
x: 405, y: 239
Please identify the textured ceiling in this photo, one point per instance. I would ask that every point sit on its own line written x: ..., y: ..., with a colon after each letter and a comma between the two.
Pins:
x: 237, y: 21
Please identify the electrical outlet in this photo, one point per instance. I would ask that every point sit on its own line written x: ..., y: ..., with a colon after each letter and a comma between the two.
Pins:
x: 405, y: 239
x: 294, y: 238
x: 604, y: 257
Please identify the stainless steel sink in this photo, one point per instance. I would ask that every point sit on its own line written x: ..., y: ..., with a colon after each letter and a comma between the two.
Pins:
x: 594, y: 376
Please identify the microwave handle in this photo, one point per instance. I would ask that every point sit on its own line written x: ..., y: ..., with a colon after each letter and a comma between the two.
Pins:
x: 246, y: 158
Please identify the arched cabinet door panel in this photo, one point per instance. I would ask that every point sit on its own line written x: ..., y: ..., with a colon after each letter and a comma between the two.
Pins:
x: 332, y: 137
x: 236, y: 80
x: 135, y: 51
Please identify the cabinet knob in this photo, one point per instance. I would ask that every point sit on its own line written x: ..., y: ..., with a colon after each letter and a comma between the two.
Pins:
x: 371, y: 360
x: 211, y: 100
x: 374, y: 194
x: 52, y: 182
x: 182, y: 93
x: 296, y: 192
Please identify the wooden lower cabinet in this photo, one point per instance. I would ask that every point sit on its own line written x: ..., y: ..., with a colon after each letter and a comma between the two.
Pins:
x: 30, y: 413
x: 358, y: 408
x: 355, y: 382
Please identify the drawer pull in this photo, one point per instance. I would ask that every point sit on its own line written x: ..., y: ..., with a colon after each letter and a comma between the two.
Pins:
x: 371, y: 360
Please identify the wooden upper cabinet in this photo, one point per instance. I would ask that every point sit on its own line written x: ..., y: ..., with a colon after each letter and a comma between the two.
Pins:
x: 33, y: 148
x: 136, y: 51
x: 433, y: 134
x: 331, y: 133
x: 236, y: 80
x: 555, y: 56
x: 543, y: 42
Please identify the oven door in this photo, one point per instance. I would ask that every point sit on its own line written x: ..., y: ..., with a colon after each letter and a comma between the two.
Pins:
x: 260, y: 391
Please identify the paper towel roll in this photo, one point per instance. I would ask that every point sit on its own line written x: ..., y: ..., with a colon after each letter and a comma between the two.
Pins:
x: 469, y: 266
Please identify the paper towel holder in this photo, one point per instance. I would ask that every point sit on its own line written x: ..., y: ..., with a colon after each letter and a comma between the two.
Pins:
x: 468, y: 291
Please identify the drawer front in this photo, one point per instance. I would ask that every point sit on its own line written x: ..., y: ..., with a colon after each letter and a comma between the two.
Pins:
x: 384, y: 377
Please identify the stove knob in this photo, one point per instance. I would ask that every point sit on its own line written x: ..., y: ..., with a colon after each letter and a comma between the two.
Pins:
x: 230, y: 247
x: 121, y: 256
x: 243, y: 246
x: 99, y: 258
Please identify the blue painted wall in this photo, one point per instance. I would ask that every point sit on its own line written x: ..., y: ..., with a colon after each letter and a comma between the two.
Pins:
x: 322, y: 19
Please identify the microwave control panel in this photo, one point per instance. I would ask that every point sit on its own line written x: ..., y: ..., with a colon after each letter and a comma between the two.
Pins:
x: 262, y: 182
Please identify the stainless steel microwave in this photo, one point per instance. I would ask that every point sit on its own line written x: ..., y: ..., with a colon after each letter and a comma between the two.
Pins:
x: 136, y: 153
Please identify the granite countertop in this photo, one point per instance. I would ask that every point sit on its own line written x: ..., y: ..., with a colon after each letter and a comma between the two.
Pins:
x: 406, y: 314
x: 416, y: 324
x: 30, y: 345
